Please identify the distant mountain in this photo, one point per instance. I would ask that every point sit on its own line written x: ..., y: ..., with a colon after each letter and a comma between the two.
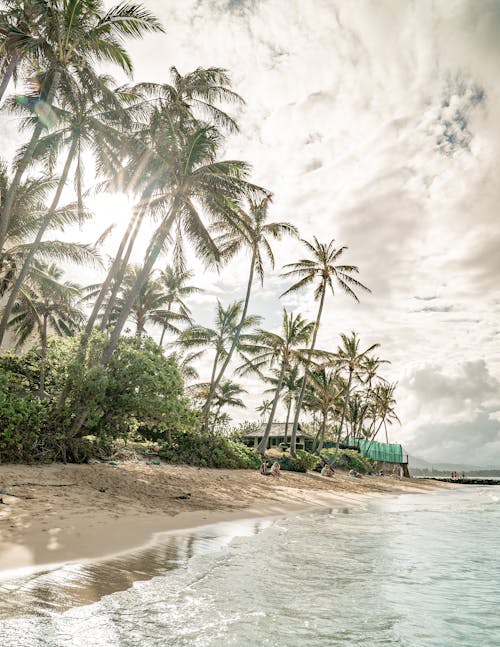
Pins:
x: 419, y: 463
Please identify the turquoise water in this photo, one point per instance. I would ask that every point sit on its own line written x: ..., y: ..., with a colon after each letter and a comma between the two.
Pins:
x: 413, y: 570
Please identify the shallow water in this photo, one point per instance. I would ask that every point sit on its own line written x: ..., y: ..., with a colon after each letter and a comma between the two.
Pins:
x: 413, y: 570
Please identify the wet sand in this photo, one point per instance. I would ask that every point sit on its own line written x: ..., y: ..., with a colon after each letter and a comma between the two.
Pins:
x: 65, y: 513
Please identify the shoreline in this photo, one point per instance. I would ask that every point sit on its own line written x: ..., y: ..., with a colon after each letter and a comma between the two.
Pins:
x: 75, y: 513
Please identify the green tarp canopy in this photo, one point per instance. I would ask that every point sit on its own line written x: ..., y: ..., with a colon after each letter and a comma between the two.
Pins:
x: 381, y: 452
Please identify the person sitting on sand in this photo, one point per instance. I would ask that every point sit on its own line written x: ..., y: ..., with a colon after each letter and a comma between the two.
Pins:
x: 275, y: 470
x: 263, y: 469
x: 327, y: 470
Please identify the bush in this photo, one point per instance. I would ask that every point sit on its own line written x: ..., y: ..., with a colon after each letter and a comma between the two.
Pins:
x: 139, y: 388
x: 302, y: 463
x: 349, y: 459
x: 211, y: 450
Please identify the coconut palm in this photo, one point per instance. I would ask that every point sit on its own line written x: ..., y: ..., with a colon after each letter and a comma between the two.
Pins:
x: 226, y: 396
x: 88, y: 118
x: 323, y: 270
x: 352, y: 358
x: 385, y: 405
x: 174, y: 284
x: 220, y: 338
x: 281, y: 351
x: 46, y: 303
x: 72, y: 36
x: 18, y: 17
x: 184, y: 176
x: 180, y: 103
x: 253, y: 232
x: 323, y: 395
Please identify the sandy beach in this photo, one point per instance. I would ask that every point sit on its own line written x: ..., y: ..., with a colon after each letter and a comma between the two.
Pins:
x: 72, y: 512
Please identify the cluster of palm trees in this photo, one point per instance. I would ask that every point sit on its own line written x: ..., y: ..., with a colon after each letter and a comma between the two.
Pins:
x: 161, y: 144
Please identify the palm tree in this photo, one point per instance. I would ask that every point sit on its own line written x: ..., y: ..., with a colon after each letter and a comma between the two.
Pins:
x: 264, y: 408
x: 72, y: 36
x: 180, y: 102
x: 17, y: 19
x: 220, y: 338
x: 253, y: 232
x: 184, y: 176
x: 174, y: 284
x: 87, y: 118
x: 46, y: 303
x: 282, y: 351
x: 385, y: 404
x: 227, y: 396
x: 150, y: 300
x: 323, y: 396
x: 352, y: 358
x: 322, y: 268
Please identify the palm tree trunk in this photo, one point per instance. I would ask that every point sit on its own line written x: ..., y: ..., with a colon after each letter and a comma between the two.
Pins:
x: 169, y: 309
x: 112, y: 273
x: 344, y: 408
x: 43, y: 359
x: 236, y: 336
x: 122, y: 268
x: 288, y: 418
x: 155, y: 249
x: 263, y: 443
x: 36, y: 243
x: 13, y: 63
x: 293, y: 442
x: 23, y: 165
x: 322, y: 433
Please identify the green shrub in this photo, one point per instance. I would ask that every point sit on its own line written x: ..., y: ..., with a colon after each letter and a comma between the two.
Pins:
x: 349, y: 459
x: 210, y: 450
x: 302, y: 463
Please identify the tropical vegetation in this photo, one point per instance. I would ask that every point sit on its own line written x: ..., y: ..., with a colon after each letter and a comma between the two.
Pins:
x: 123, y: 356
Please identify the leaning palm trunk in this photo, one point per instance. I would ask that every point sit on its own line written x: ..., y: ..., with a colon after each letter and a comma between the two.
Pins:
x: 9, y: 72
x: 344, y: 408
x: 155, y: 248
x: 215, y: 383
x: 263, y: 443
x: 289, y: 409
x: 322, y: 434
x: 36, y: 243
x: 43, y: 358
x: 23, y: 165
x: 122, y: 268
x: 300, y: 399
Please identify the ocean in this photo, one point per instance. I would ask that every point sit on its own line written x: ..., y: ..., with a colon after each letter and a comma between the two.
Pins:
x: 412, y: 570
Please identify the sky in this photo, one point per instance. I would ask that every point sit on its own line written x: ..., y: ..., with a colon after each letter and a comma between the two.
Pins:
x: 374, y: 123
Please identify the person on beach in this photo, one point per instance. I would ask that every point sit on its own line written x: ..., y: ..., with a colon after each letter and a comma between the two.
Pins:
x: 275, y: 470
x: 327, y: 471
x: 263, y: 469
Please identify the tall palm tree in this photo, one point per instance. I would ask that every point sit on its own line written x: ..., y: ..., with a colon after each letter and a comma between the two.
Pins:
x: 281, y: 351
x: 174, y: 282
x: 181, y: 102
x: 87, y: 118
x: 385, y: 404
x: 220, y: 338
x: 46, y: 303
x: 17, y: 18
x: 184, y: 177
x: 351, y: 357
x: 322, y: 269
x: 323, y: 396
x: 227, y: 396
x: 73, y: 35
x: 150, y: 300
x: 251, y: 231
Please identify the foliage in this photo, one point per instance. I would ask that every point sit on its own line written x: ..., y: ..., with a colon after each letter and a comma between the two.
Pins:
x: 303, y: 462
x: 208, y: 450
x: 139, y: 387
x: 349, y: 459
